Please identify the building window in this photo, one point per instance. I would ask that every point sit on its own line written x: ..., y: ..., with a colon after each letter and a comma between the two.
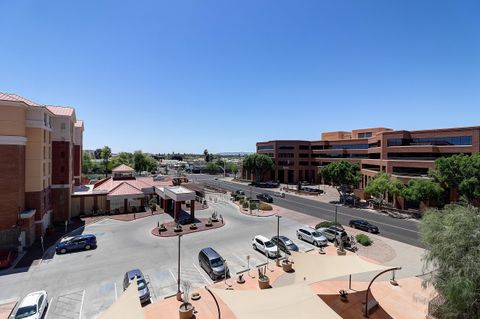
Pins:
x: 63, y: 125
x: 286, y: 147
x: 285, y: 155
x: 304, y: 164
x: 304, y: 147
x: 265, y: 147
x: 347, y: 147
x: 436, y: 141
x: 364, y: 134
x: 317, y: 147
x: 304, y: 155
x: 376, y: 144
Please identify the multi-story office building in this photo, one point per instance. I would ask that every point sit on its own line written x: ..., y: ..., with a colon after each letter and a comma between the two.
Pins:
x: 29, y: 167
x: 403, y: 154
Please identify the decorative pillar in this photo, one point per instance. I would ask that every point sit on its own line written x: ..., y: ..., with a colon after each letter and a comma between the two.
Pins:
x: 192, y: 210
x: 177, y: 208
x: 125, y: 205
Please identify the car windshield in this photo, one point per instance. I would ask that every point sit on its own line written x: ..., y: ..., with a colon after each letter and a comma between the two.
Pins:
x: 141, y: 284
x: 26, y: 311
x: 269, y: 244
x: 216, y: 262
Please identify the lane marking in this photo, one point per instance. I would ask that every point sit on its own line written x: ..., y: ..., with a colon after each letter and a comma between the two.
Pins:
x: 173, y: 276
x: 115, y: 285
x: 338, y: 212
x: 209, y: 282
x: 81, y: 305
x: 48, y: 308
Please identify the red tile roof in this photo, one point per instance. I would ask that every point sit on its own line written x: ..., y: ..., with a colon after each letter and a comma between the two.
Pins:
x: 79, y: 123
x: 123, y: 168
x: 124, y: 189
x: 17, y: 98
x: 109, y: 184
x: 61, y: 110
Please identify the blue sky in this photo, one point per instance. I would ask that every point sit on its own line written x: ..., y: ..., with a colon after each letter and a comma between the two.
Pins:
x: 182, y: 76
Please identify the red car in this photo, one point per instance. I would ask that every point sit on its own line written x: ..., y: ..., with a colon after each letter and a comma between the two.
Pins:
x: 6, y: 258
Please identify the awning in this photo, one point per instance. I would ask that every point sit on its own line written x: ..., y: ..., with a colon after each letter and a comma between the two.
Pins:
x: 127, y: 305
x: 293, y: 301
x: 310, y: 268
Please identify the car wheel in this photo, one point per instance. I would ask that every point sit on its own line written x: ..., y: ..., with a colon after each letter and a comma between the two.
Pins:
x: 63, y: 251
x: 370, y: 231
x: 315, y: 243
x: 87, y: 247
x: 211, y: 276
x: 299, y: 237
x: 254, y: 247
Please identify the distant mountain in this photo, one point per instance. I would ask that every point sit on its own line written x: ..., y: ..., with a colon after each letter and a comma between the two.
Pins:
x: 233, y: 153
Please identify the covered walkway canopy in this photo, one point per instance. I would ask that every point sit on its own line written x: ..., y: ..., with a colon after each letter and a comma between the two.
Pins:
x: 311, y: 268
x: 174, y: 196
x: 293, y: 301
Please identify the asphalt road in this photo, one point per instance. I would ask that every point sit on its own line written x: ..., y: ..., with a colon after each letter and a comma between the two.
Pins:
x: 403, y: 230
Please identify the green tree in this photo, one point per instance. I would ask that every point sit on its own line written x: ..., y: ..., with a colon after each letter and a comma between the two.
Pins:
x: 106, y: 153
x: 341, y: 174
x: 470, y: 185
x: 451, y: 238
x: 423, y: 190
x: 208, y: 157
x: 213, y: 168
x: 232, y: 168
x: 259, y: 164
x: 139, y: 161
x: 381, y: 184
x: 97, y: 154
x: 87, y: 164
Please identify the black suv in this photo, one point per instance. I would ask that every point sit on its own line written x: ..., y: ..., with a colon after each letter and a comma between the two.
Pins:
x: 265, y: 198
x: 363, y: 225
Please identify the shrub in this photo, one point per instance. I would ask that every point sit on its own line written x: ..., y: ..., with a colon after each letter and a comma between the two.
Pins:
x: 265, y: 206
x: 326, y: 224
x: 245, y: 204
x: 363, y: 240
x: 254, y: 205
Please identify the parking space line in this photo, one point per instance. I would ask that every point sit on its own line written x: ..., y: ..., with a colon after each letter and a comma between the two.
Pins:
x: 48, y: 308
x: 81, y: 305
x: 171, y: 273
x: 209, y: 282
x: 115, y: 285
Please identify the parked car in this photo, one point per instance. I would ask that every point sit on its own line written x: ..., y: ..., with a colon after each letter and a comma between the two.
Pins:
x: 33, y: 306
x: 81, y: 242
x: 212, y: 263
x: 143, y: 291
x: 265, y: 246
x: 279, y: 194
x: 335, y: 233
x: 239, y: 192
x: 284, y: 244
x: 363, y: 225
x: 312, y: 236
x: 7, y: 257
x: 264, y: 197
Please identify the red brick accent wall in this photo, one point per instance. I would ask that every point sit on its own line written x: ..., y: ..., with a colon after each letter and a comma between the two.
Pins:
x: 77, y: 163
x: 12, y: 184
x: 40, y: 201
x: 60, y: 163
x: 61, y: 204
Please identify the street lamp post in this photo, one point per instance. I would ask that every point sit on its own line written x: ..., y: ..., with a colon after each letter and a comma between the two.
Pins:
x: 179, y: 293
x: 278, y: 239
x: 336, y: 207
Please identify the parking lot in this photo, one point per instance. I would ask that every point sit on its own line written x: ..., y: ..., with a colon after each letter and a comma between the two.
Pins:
x: 83, y: 284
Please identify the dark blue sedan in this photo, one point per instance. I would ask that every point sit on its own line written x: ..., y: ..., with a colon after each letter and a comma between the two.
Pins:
x: 81, y: 242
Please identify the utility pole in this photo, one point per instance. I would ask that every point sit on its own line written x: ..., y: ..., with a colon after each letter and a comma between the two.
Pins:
x: 179, y: 293
x: 278, y: 239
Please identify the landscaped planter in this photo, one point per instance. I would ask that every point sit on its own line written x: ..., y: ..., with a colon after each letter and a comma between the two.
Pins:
x: 264, y: 283
x: 193, y: 226
x: 177, y: 229
x: 341, y: 252
x: 287, y: 266
x: 185, y: 311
